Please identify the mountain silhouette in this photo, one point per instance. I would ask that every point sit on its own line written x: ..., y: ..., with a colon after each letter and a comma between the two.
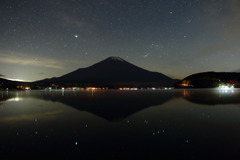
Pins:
x: 9, y: 84
x: 115, y: 72
x: 209, y: 80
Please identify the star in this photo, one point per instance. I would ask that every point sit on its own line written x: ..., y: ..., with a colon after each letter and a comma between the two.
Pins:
x: 189, y: 21
x: 88, y: 32
x: 146, y: 55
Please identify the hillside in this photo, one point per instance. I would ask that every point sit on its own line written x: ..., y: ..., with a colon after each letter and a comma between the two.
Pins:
x: 111, y: 72
x: 210, y: 80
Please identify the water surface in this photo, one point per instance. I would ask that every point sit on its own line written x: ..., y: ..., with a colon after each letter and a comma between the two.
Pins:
x: 189, y: 124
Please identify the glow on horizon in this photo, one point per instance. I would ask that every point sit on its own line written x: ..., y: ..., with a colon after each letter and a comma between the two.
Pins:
x: 20, y: 80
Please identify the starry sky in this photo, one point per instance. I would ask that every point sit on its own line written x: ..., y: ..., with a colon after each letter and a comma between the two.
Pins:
x: 43, y: 39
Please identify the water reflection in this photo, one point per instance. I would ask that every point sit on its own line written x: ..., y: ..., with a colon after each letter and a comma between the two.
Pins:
x: 150, y: 124
x: 111, y: 105
x: 212, y: 96
x: 117, y: 105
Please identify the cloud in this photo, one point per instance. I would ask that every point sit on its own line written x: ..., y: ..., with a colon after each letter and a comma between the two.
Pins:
x: 1, y: 75
x: 238, y: 70
x: 223, y: 19
x: 76, y: 23
x: 26, y: 117
x: 24, y: 59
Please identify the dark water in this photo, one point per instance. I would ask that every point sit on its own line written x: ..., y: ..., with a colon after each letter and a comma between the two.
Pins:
x: 160, y: 124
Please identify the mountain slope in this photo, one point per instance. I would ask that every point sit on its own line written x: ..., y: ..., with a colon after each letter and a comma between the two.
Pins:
x: 209, y: 80
x: 5, y: 83
x: 114, y: 71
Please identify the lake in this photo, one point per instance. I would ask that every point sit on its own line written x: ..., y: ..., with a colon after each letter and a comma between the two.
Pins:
x: 112, y: 124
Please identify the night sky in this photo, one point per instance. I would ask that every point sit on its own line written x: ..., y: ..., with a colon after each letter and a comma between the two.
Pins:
x: 49, y: 38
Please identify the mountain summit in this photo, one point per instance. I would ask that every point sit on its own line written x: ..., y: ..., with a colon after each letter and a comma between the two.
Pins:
x: 116, y: 59
x: 112, y: 72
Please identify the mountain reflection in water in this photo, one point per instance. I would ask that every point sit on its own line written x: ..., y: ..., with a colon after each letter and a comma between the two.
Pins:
x: 167, y: 124
x: 111, y: 105
x: 114, y: 105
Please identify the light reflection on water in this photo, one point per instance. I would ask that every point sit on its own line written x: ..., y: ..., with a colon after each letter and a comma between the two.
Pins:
x: 192, y: 124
